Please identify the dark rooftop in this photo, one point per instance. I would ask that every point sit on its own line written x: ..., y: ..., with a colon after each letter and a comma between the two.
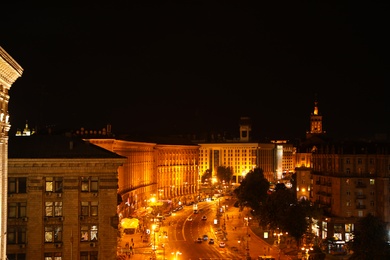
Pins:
x: 54, y: 146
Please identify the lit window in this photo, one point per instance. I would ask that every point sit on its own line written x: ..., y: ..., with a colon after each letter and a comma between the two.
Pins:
x: 53, y: 234
x: 53, y: 208
x: 53, y: 185
x: 89, y: 233
x: 89, y: 184
x: 53, y: 256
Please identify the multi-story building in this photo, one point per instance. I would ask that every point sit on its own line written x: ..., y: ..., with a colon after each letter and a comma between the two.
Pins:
x: 62, y: 199
x: 276, y: 158
x: 10, y: 71
x: 348, y: 179
x: 165, y: 172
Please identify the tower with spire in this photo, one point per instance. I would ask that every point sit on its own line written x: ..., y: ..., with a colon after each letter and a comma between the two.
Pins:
x: 315, y: 122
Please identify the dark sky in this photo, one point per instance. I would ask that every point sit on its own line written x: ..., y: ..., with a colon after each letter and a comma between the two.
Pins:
x: 184, y: 66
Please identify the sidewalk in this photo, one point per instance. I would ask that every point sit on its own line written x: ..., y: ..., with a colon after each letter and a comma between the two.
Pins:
x: 242, y: 237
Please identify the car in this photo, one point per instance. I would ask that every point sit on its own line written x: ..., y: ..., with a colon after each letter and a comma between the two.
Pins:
x: 204, y: 218
x: 211, y: 241
x: 199, y: 240
x: 189, y: 219
x: 222, y: 244
x: 196, y: 211
x: 205, y: 237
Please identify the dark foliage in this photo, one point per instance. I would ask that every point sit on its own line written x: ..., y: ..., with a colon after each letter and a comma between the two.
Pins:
x: 370, y: 240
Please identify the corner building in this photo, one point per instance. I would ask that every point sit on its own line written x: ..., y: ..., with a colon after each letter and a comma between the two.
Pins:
x: 62, y: 198
x: 10, y: 71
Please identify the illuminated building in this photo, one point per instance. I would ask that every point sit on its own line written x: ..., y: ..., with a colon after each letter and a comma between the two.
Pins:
x: 62, y: 199
x: 10, y: 71
x: 348, y: 179
x: 243, y: 155
x: 166, y: 171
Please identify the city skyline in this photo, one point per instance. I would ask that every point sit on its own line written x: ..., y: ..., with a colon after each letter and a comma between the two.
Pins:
x: 199, y: 66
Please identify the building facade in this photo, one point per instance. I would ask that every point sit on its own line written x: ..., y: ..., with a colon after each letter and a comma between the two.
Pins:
x: 347, y: 179
x: 10, y: 71
x: 62, y: 199
x: 168, y: 173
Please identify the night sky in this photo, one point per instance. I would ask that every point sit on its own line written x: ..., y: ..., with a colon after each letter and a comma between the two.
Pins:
x: 193, y: 66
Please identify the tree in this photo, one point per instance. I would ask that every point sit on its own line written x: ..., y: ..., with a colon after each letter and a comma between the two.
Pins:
x: 370, y: 240
x: 274, y: 211
x: 224, y: 174
x: 253, y: 190
x: 206, y: 176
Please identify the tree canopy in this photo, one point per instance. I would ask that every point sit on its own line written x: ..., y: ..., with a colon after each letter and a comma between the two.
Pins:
x: 253, y: 189
x: 370, y: 240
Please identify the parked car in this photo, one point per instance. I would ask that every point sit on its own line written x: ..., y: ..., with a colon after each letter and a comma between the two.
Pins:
x: 189, y: 219
x: 211, y: 241
x: 222, y: 244
x: 205, y: 237
x: 199, y: 240
x: 204, y: 218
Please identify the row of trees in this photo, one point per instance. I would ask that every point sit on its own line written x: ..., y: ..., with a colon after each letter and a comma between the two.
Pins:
x: 281, y: 210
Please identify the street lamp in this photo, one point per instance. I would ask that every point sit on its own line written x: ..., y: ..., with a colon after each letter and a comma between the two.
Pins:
x: 176, y: 253
x: 154, y: 226
x: 247, y: 237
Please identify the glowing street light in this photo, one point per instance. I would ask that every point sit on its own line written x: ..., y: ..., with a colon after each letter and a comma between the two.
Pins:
x: 176, y: 254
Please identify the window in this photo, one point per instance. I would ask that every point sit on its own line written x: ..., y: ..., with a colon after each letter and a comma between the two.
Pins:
x: 347, y: 161
x: 53, y: 234
x: 89, y: 184
x: 360, y: 213
x: 360, y: 161
x: 16, y: 256
x: 17, y: 185
x: 89, y: 233
x: 92, y: 255
x: 53, y: 208
x: 372, y: 181
x: 89, y: 208
x: 16, y: 235
x: 53, y: 256
x: 17, y: 209
x: 53, y: 185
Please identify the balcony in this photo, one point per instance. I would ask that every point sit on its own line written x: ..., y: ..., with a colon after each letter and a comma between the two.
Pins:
x: 360, y: 206
x: 360, y: 197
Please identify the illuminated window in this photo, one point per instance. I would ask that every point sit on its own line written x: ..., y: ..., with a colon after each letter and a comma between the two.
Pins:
x: 89, y: 184
x: 53, y: 208
x: 89, y: 233
x: 53, y: 256
x: 53, y: 234
x: 372, y: 181
x: 53, y: 185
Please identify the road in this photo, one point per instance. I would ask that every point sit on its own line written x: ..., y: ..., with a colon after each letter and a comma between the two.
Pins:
x: 181, y: 235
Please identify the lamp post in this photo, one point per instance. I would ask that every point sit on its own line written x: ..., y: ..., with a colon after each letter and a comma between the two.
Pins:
x: 154, y: 234
x: 176, y: 253
x: 247, y: 237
